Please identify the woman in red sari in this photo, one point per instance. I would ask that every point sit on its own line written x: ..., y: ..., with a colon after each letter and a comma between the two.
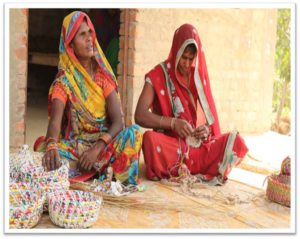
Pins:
x: 182, y: 107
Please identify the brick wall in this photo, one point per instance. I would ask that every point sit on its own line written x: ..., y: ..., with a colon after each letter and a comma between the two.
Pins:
x: 239, y: 46
x: 18, y: 75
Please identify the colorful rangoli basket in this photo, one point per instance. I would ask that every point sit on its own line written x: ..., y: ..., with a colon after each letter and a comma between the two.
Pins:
x: 25, y: 208
x: 34, y: 174
x: 74, y: 208
x: 279, y: 189
x: 48, y: 189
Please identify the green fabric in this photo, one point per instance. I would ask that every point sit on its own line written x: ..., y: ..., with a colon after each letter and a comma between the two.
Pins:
x: 111, y: 54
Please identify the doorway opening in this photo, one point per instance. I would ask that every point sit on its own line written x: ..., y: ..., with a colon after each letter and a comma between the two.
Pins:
x: 44, y: 29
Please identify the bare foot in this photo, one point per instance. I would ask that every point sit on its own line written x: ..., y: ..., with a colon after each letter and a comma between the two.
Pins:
x: 155, y: 178
x: 108, y: 172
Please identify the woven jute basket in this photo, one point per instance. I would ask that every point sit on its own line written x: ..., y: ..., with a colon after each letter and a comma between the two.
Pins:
x: 279, y: 189
x: 46, y: 182
x: 50, y: 188
x: 25, y: 208
x: 74, y: 208
x: 35, y: 174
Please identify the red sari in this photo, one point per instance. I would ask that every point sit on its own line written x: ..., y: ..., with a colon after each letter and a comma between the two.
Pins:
x: 214, y: 159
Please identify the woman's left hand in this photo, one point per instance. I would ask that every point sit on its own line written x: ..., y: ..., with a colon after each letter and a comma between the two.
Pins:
x: 201, y: 132
x: 89, y: 157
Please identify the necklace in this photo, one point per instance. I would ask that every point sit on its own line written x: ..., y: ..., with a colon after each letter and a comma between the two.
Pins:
x: 92, y: 71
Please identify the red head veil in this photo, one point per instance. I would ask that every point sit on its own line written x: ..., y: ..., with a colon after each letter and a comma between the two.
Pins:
x: 183, y: 36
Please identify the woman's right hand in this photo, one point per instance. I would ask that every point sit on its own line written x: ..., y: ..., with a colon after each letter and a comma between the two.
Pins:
x: 182, y: 128
x: 51, y: 160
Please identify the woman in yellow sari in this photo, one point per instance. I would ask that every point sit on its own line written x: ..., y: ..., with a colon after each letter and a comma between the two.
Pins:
x: 85, y: 118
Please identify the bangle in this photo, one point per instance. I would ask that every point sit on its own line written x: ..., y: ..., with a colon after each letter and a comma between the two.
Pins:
x: 51, y: 147
x: 51, y: 138
x: 52, y: 143
x: 173, y: 123
x: 160, y: 122
x: 106, y: 138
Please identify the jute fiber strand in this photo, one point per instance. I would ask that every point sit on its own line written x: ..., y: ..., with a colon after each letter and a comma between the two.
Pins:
x: 194, y: 207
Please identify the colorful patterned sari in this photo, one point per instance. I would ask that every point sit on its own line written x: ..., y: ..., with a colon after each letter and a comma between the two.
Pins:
x: 215, y: 158
x: 86, y: 118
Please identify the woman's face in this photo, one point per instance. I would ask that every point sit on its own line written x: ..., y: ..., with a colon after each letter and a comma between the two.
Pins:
x: 82, y: 43
x: 186, y: 61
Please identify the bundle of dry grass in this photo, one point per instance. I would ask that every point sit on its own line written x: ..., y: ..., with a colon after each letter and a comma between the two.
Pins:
x: 194, y: 207
x: 284, y: 125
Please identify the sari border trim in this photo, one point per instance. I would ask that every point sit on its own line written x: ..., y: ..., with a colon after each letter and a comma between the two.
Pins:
x: 202, y: 97
x: 167, y: 79
x: 219, y: 180
x: 227, y: 152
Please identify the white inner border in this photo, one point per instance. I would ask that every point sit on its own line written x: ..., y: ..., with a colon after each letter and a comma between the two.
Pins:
x: 147, y: 5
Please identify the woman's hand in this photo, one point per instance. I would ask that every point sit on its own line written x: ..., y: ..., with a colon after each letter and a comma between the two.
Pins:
x: 182, y: 128
x: 201, y: 132
x: 51, y: 160
x: 89, y: 157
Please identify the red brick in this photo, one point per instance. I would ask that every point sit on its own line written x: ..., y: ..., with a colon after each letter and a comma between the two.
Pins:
x: 133, y: 16
x: 24, y: 11
x: 131, y: 56
x: 22, y: 82
x: 120, y: 81
x: 22, y: 69
x: 121, y: 55
x: 133, y: 29
x: 130, y: 67
x: 122, y: 16
x: 19, y: 127
x: 131, y: 43
x: 20, y: 111
x: 23, y: 39
x: 122, y: 29
x: 121, y: 42
x: 120, y: 68
x: 21, y: 96
x: 23, y: 25
x: 21, y: 53
x: 18, y: 141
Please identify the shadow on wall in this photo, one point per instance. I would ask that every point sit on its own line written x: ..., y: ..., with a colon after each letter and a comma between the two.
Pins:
x: 40, y: 79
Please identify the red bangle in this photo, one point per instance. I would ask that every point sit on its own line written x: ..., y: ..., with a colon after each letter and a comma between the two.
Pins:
x: 51, y: 138
x: 106, y: 138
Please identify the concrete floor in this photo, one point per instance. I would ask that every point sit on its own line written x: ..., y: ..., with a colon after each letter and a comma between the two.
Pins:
x: 36, y: 119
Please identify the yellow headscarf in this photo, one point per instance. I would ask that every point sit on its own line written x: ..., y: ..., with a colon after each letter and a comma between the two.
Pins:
x: 87, y: 98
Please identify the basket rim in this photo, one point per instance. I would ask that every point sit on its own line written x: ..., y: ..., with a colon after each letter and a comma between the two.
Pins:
x: 60, y: 195
x: 274, y: 179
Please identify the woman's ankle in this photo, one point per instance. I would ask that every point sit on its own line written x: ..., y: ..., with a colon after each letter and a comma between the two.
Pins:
x: 155, y: 178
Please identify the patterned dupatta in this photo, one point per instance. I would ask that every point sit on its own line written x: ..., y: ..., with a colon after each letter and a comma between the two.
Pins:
x: 87, y: 119
x: 173, y: 98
